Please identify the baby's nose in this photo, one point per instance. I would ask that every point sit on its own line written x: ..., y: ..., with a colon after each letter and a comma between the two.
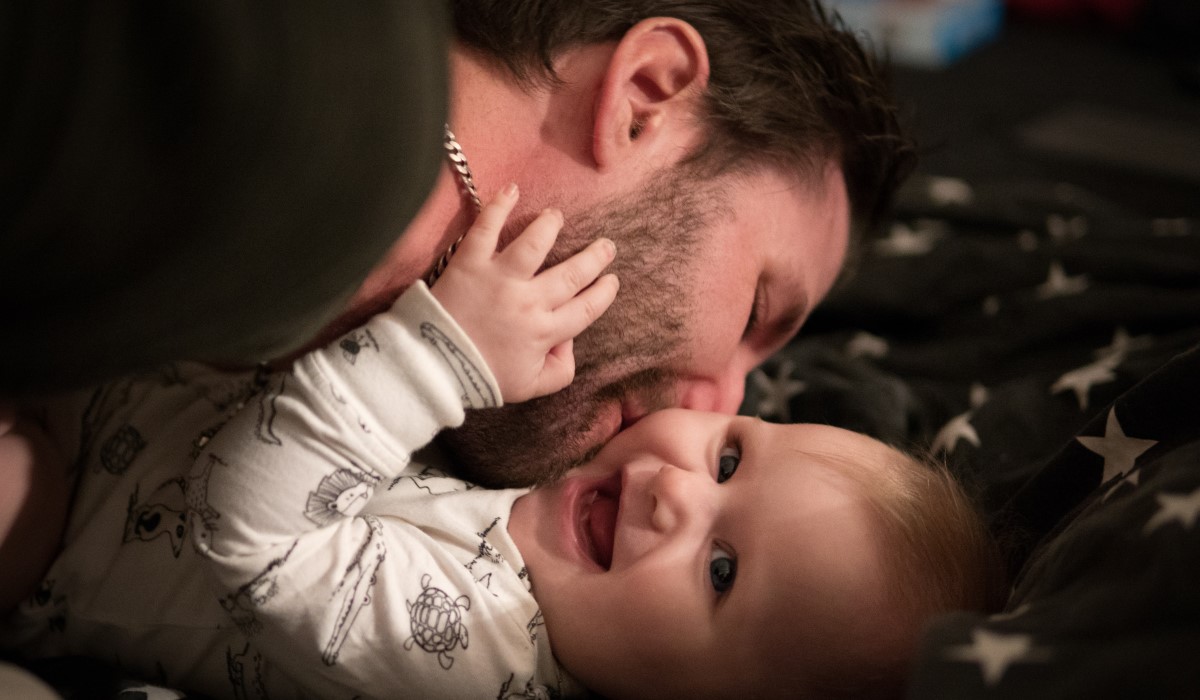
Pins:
x: 679, y: 498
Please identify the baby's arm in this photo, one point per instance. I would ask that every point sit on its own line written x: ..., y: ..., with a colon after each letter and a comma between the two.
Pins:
x: 306, y: 554
x: 33, y: 505
x: 523, y: 321
x: 293, y: 502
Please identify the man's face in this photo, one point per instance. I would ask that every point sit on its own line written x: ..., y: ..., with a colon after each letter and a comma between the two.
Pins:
x: 699, y: 554
x: 713, y: 281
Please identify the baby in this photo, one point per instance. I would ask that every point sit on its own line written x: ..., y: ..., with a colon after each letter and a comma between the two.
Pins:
x: 279, y: 535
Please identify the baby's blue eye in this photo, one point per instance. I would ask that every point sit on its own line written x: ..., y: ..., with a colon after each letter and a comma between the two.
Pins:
x: 728, y: 463
x: 722, y: 569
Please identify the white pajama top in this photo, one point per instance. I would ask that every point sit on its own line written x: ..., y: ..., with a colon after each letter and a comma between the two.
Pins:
x: 255, y: 535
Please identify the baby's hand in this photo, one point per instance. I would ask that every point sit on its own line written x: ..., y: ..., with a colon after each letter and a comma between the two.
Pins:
x: 524, y: 322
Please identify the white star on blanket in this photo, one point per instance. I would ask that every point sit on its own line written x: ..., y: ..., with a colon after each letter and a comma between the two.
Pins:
x: 1123, y: 343
x: 865, y: 344
x: 1081, y: 380
x: 959, y: 427
x: 1118, y: 450
x: 1182, y: 507
x: 1059, y: 284
x: 777, y: 393
x: 995, y: 652
x: 950, y: 190
x: 905, y: 241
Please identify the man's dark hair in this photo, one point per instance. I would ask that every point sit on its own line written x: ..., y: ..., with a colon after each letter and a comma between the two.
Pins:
x: 790, y: 86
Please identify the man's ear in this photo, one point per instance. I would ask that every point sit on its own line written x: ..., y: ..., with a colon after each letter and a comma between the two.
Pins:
x: 647, y: 96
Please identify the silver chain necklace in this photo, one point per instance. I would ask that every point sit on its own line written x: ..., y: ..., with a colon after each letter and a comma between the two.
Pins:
x: 466, y: 186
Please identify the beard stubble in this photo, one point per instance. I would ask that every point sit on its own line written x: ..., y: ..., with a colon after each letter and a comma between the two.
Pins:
x: 628, y: 353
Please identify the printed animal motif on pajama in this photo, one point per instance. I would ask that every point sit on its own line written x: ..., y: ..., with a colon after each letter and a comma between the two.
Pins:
x: 325, y: 561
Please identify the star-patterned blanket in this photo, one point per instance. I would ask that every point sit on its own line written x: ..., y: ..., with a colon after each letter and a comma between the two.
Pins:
x: 1046, y: 343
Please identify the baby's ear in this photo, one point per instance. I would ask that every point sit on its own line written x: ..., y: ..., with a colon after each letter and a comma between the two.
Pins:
x: 646, y: 102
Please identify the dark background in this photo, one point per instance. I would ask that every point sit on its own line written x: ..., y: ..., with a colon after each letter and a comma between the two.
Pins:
x: 1108, y: 104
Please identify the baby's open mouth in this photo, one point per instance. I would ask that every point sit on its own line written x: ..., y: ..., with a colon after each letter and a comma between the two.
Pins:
x: 598, y: 520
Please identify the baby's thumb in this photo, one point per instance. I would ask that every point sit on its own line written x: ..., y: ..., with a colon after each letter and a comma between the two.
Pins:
x: 558, y: 371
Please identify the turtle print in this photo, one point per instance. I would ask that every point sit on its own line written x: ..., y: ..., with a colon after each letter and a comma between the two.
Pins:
x: 437, y: 625
x: 120, y: 449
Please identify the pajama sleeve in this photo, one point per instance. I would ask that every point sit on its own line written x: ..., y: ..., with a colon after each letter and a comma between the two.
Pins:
x: 286, y: 502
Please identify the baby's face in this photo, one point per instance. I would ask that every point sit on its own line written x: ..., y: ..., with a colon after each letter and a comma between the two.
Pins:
x: 701, y: 552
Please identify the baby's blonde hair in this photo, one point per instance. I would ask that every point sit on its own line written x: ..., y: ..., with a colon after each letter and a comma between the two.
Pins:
x: 938, y: 556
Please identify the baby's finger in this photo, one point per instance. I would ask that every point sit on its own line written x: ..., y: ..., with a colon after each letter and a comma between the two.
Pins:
x: 482, y: 237
x: 559, y: 369
x: 526, y: 253
x: 565, y: 279
x: 577, y: 314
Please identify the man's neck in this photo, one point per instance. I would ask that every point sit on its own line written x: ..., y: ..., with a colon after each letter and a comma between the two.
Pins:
x: 539, y: 138
x: 478, y: 96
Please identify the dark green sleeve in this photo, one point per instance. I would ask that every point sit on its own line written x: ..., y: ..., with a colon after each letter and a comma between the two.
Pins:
x: 202, y: 179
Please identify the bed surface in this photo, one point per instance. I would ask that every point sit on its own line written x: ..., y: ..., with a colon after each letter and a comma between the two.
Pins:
x: 1033, y: 315
x: 1050, y: 354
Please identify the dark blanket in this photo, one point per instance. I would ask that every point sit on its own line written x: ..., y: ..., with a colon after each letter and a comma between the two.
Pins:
x: 1040, y: 339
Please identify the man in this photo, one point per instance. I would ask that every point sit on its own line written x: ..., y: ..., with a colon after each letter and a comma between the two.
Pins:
x: 722, y: 145
x: 727, y: 147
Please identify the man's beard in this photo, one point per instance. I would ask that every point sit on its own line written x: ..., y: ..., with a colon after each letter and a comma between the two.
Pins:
x: 627, y: 352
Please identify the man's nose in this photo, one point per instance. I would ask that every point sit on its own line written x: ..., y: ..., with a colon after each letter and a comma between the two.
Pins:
x: 721, y: 394
x: 679, y: 498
